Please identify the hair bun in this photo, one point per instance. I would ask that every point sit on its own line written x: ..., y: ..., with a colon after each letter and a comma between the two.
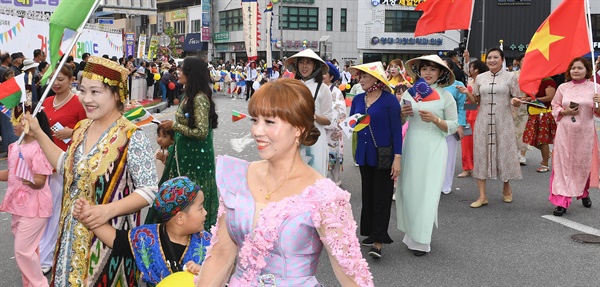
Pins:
x: 311, y: 137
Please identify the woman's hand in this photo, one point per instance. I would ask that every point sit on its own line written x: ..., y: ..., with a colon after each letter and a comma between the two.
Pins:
x: 166, y: 125
x: 568, y: 111
x: 515, y: 102
x: 95, y: 216
x: 34, y: 126
x: 596, y: 99
x: 428, y: 117
x: 395, y: 167
x: 64, y: 134
x: 461, y: 132
x: 462, y: 89
x: 407, y: 111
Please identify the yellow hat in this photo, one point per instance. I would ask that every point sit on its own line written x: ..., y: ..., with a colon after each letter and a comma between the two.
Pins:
x: 374, y: 69
x: 445, y: 79
x: 108, y: 72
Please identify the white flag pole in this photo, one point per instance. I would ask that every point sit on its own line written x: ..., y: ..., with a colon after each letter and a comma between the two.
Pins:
x: 588, y: 23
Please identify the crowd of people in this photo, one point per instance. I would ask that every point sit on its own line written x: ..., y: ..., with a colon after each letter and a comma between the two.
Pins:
x: 227, y: 220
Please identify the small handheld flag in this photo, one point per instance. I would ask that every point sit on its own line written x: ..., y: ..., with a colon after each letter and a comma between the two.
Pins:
x: 422, y: 92
x: 236, y: 116
x: 362, y: 122
x: 23, y: 170
x: 140, y: 116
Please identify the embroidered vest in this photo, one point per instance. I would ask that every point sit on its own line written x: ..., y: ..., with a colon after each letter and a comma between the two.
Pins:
x: 150, y: 258
x: 100, y: 178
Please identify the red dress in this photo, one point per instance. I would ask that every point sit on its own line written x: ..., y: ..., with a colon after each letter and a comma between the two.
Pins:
x: 541, y: 127
x: 68, y: 115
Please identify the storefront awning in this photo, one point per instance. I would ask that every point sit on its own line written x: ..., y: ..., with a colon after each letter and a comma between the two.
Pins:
x: 193, y: 43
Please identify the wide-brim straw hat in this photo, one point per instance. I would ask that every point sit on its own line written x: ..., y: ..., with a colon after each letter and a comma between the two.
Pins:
x: 292, y: 62
x: 445, y: 79
x: 374, y: 69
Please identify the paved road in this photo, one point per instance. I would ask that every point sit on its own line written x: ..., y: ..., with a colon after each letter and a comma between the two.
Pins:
x: 497, y: 245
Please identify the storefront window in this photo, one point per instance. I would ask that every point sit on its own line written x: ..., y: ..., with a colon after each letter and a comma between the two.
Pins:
x: 299, y: 18
x: 179, y: 27
x: 196, y: 26
x: 401, y: 20
x: 230, y: 20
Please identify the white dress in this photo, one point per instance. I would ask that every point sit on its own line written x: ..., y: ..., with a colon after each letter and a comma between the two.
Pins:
x: 317, y: 155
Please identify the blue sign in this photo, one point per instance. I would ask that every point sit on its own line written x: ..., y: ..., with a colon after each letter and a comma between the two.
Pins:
x: 106, y: 21
x: 406, y: 41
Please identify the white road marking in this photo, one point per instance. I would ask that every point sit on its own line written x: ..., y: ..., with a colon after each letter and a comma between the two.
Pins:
x: 238, y: 145
x: 573, y: 225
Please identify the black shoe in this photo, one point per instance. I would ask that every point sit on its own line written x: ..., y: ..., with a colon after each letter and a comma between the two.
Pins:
x: 419, y: 252
x: 559, y: 211
x: 375, y: 253
x: 367, y: 242
x: 586, y: 201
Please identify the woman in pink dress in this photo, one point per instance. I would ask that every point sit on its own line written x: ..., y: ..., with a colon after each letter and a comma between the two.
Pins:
x: 575, y: 153
x: 276, y: 215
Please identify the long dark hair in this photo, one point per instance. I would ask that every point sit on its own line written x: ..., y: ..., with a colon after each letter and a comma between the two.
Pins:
x: 198, y: 81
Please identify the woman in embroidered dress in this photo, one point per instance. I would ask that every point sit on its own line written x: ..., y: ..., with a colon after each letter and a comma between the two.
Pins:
x: 575, y: 154
x: 62, y: 109
x: 335, y: 140
x: 192, y: 154
x: 108, y: 163
x: 310, y: 68
x: 384, y: 130
x: 494, y: 147
x: 276, y: 215
x: 425, y: 151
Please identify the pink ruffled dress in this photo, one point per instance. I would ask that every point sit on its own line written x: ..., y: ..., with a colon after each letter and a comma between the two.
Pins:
x: 281, y: 244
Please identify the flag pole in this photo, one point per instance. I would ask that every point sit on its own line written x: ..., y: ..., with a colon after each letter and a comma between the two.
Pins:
x: 470, y: 23
x: 588, y: 23
x: 61, y: 64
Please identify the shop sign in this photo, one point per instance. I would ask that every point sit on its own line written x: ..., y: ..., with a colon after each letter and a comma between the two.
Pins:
x: 205, y: 19
x: 520, y: 47
x: 178, y: 40
x: 406, y: 41
x: 514, y: 2
x: 205, y: 34
x: 299, y: 44
x: 299, y: 1
x: 411, y: 3
x: 178, y: 14
x: 221, y: 37
x: 221, y: 47
x: 238, y: 47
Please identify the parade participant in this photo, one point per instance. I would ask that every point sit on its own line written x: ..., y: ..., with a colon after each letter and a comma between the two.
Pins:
x: 378, y: 151
x: 192, y: 154
x: 310, y: 68
x: 251, y: 75
x: 28, y: 200
x: 109, y: 162
x: 475, y: 68
x: 495, y: 150
x: 540, y: 128
x: 241, y: 83
x: 277, y: 214
x: 162, y: 249
x: 164, y: 80
x: 575, y: 153
x: 453, y: 139
x: 425, y: 150
x: 397, y: 74
x: 335, y: 137
x: 64, y: 111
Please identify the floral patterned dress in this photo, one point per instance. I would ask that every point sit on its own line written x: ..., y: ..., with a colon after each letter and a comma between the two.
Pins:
x: 280, y: 245
x: 335, y: 140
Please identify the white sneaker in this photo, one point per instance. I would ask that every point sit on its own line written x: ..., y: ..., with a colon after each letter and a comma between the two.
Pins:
x: 522, y: 160
x: 446, y: 192
x: 394, y: 197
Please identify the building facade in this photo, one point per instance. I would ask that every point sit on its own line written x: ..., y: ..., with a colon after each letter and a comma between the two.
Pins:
x: 327, y: 27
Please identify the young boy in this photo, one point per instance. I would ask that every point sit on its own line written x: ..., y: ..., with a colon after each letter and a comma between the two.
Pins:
x: 164, y: 139
x: 181, y: 239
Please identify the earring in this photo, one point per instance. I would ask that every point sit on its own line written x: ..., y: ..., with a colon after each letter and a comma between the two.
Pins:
x: 297, y: 142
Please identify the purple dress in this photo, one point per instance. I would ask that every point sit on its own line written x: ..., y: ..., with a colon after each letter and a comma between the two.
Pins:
x: 283, y: 248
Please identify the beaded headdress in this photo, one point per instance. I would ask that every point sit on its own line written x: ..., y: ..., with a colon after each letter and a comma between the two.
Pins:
x: 175, y: 195
x: 108, y: 72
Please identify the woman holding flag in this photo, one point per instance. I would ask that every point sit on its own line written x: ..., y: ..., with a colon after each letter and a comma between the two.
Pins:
x: 109, y: 163
x: 432, y: 114
x: 382, y: 132
x: 192, y: 154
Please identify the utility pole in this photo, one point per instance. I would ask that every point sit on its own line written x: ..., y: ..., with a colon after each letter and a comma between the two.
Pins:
x: 282, y: 48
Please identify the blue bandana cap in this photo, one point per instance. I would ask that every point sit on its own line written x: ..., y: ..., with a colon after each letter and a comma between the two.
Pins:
x: 175, y: 195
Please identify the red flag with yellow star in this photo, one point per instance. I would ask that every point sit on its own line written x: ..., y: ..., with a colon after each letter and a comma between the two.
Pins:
x: 562, y: 37
x: 442, y: 15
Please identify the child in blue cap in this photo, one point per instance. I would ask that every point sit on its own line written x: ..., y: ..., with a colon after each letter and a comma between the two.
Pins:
x: 181, y: 238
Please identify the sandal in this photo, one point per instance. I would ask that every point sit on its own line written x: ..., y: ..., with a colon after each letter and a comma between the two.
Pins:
x: 543, y: 169
x: 465, y: 173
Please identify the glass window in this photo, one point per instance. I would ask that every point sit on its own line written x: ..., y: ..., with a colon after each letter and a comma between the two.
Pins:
x: 179, y: 27
x: 230, y: 20
x: 329, y: 19
x: 343, y: 20
x: 300, y: 18
x: 196, y: 26
x: 401, y: 20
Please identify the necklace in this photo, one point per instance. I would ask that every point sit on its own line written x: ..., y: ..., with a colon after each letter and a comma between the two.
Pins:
x: 55, y: 106
x: 268, y: 196
x: 372, y: 101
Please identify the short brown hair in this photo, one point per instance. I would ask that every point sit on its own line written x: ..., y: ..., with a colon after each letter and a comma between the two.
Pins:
x: 586, y: 64
x: 289, y: 100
